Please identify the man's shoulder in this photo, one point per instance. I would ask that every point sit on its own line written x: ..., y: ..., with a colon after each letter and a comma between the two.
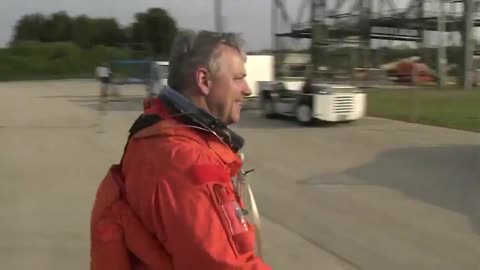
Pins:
x: 178, y: 148
x: 169, y: 147
x: 173, y: 159
x: 166, y: 144
x: 174, y: 152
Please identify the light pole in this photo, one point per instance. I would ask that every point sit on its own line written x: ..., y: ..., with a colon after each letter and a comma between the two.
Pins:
x: 441, y: 54
x: 218, y: 15
x: 468, y: 43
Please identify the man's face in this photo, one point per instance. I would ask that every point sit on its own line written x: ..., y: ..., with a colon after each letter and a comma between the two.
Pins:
x: 227, y: 89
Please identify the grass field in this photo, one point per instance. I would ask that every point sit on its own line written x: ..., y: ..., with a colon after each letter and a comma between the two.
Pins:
x: 452, y: 108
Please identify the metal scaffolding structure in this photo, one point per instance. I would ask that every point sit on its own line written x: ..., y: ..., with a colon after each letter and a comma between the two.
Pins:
x: 330, y: 24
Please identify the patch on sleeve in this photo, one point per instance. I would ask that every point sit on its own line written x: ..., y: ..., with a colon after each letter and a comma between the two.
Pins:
x: 208, y: 173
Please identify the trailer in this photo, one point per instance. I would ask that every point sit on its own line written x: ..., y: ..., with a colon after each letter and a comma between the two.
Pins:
x: 158, y: 78
x: 260, y: 68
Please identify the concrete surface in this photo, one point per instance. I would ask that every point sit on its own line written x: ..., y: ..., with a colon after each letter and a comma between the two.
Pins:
x: 374, y: 194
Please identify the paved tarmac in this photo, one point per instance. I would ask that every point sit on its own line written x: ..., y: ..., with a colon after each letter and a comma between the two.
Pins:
x: 373, y: 194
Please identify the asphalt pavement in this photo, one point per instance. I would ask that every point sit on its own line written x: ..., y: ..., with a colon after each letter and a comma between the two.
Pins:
x: 372, y: 194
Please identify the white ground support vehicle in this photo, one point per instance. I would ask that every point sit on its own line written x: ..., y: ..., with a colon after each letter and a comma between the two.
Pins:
x: 326, y: 102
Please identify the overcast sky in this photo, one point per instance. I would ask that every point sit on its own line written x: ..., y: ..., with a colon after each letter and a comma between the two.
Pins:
x: 249, y: 17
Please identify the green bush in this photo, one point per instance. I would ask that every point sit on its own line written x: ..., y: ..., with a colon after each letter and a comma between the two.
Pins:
x: 36, y: 60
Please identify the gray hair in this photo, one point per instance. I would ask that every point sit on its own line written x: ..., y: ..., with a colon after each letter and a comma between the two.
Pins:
x: 193, y: 49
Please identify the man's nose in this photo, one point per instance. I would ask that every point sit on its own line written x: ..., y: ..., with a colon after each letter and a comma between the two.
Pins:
x: 247, y: 91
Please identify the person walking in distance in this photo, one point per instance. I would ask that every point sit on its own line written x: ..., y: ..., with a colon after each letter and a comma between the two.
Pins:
x: 171, y: 202
x: 103, y: 74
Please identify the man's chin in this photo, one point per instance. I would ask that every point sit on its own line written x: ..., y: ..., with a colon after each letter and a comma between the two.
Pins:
x: 233, y: 119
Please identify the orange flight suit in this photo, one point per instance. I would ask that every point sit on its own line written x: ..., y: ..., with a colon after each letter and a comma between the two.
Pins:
x: 177, y: 182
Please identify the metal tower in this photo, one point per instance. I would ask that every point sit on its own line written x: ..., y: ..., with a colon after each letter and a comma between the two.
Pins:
x: 329, y: 24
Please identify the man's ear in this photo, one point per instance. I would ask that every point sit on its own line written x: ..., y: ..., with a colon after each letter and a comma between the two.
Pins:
x: 202, y: 80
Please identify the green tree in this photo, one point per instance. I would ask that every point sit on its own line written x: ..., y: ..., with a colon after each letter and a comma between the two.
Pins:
x: 82, y: 32
x: 152, y: 32
x: 58, y: 27
x: 156, y: 28
x: 29, y: 28
x: 106, y: 31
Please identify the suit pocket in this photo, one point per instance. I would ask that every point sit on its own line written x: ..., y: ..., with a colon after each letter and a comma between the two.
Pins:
x: 236, y: 226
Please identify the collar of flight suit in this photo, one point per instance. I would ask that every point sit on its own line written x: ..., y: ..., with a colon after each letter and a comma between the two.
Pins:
x: 170, y: 126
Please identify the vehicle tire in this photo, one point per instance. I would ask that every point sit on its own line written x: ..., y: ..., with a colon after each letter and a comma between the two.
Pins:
x: 268, y: 108
x: 303, y: 114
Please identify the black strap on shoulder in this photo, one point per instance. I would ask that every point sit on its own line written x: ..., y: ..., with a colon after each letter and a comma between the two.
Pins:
x: 143, y: 121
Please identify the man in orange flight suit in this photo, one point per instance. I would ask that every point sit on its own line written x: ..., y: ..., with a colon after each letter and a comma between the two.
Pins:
x: 178, y: 177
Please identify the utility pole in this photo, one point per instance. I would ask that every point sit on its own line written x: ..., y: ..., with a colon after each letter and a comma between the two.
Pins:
x: 273, y: 26
x: 468, y: 44
x: 218, y: 15
x: 441, y: 54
